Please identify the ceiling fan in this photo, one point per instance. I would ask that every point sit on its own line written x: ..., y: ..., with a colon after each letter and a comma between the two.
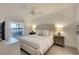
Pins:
x: 34, y: 12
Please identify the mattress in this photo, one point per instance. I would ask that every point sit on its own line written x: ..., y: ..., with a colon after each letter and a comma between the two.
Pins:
x: 40, y: 43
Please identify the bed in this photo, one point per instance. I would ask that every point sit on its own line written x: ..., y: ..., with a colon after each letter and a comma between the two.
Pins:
x: 37, y: 44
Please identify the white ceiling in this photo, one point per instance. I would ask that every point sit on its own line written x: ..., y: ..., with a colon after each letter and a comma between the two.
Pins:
x: 50, y: 13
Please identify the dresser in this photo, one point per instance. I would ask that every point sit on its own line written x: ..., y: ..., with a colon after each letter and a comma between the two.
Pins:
x: 59, y: 40
x: 10, y: 47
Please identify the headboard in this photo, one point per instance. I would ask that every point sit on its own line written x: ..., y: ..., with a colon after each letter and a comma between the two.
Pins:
x: 45, y: 29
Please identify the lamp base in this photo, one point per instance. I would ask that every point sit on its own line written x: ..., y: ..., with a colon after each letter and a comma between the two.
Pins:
x: 59, y: 34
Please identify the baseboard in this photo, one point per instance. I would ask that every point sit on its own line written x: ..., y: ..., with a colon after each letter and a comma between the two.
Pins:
x: 71, y: 46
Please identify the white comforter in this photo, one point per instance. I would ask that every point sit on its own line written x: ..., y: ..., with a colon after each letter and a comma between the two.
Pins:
x: 37, y: 42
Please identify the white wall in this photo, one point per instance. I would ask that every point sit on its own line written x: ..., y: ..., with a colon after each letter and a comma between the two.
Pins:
x: 26, y: 30
x: 77, y: 37
x: 7, y: 29
x: 70, y: 35
x: 77, y: 22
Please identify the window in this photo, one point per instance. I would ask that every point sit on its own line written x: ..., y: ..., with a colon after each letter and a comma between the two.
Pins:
x: 16, y: 29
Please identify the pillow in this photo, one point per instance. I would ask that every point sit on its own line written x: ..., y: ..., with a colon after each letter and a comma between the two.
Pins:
x: 39, y: 32
x: 47, y: 33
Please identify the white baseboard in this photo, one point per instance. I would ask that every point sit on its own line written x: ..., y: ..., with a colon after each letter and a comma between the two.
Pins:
x: 71, y: 46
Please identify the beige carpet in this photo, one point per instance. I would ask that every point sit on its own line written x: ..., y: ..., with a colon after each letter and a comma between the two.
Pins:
x: 58, y: 50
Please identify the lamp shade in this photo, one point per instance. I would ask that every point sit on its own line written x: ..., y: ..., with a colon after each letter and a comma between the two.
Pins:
x: 33, y: 27
x: 58, y: 31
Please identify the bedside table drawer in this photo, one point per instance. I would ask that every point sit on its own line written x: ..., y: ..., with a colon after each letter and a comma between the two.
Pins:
x: 59, y: 40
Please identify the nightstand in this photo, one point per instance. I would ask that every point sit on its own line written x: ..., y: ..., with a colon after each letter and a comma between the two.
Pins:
x: 59, y: 40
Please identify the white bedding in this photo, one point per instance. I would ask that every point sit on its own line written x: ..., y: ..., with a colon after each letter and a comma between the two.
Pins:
x: 38, y: 42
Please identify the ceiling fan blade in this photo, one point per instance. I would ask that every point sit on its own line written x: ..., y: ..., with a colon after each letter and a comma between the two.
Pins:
x: 34, y: 11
